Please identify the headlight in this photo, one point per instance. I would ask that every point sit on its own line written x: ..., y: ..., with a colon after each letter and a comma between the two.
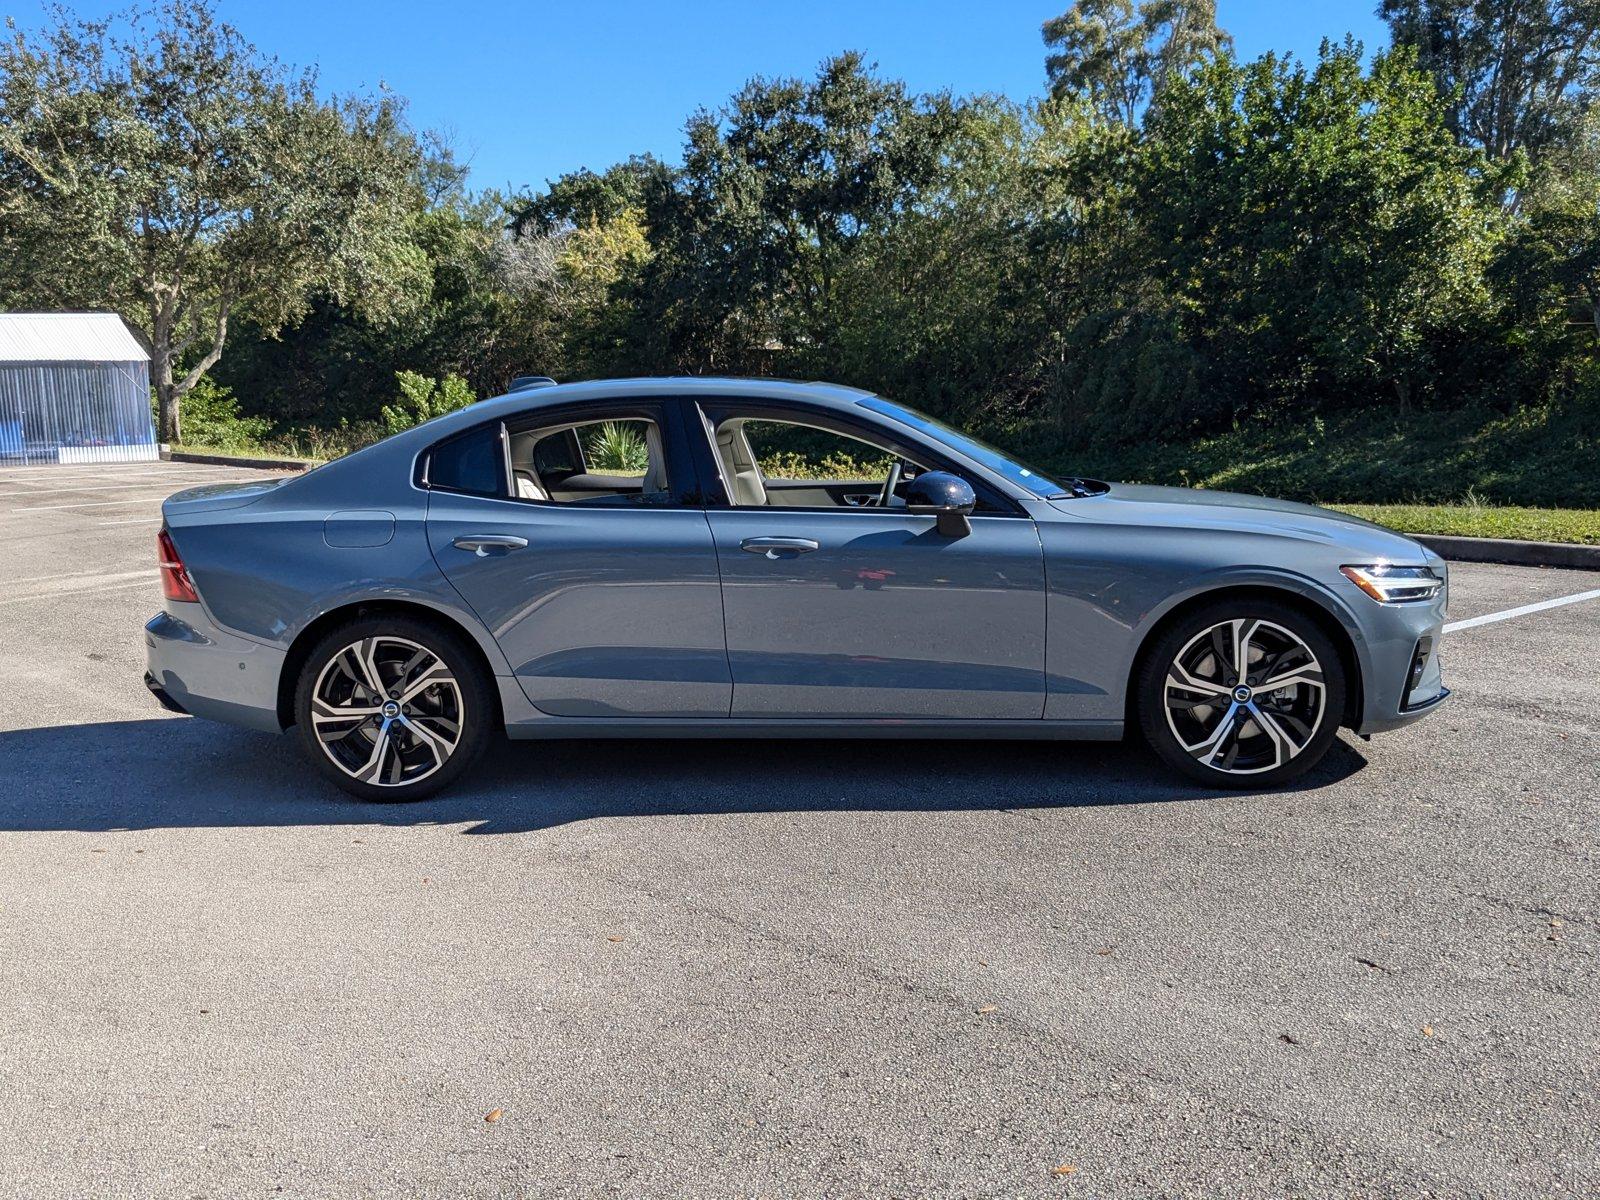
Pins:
x: 1389, y: 584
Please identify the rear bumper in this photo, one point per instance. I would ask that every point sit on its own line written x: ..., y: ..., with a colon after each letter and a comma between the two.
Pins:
x: 162, y: 698
x: 194, y: 667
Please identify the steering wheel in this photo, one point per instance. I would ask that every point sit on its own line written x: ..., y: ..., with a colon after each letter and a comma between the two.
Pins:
x: 891, y: 482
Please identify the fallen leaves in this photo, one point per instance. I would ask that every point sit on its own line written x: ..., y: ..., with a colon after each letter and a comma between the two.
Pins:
x: 493, y: 1115
x: 1427, y: 1031
x: 613, y: 938
x: 1064, y: 1170
x: 987, y: 1009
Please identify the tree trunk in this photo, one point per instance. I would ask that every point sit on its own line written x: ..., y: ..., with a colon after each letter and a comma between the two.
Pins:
x: 168, y: 426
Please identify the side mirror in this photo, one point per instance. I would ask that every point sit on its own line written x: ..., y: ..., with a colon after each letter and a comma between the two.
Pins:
x: 946, y: 496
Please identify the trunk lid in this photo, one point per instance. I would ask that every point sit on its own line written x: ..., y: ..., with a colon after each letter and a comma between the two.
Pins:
x: 213, y: 497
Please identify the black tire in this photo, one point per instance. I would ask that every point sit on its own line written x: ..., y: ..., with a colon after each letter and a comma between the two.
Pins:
x: 461, y: 700
x: 1262, y: 758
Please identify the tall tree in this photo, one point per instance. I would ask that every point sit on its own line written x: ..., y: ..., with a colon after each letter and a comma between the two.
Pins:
x: 1119, y: 55
x: 166, y: 170
x: 1322, y: 228
x: 776, y: 196
x: 1517, y: 73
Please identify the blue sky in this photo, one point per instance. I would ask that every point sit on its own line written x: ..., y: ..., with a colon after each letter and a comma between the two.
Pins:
x: 528, y: 91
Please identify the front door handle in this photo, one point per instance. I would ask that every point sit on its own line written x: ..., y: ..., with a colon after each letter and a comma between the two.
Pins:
x: 778, y: 547
x: 485, y: 544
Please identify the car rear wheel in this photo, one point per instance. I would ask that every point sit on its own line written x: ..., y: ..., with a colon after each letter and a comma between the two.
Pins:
x: 1242, y: 694
x: 393, y: 708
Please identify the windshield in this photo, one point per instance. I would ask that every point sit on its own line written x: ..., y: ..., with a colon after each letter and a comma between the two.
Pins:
x: 993, y: 457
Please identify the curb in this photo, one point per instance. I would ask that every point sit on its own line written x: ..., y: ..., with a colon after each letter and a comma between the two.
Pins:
x: 1520, y: 554
x: 226, y: 460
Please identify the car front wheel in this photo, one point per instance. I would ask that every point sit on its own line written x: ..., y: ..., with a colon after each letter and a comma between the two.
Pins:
x: 1242, y: 694
x: 393, y: 708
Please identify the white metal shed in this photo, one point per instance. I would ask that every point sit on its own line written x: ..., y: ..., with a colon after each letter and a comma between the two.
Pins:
x: 74, y: 388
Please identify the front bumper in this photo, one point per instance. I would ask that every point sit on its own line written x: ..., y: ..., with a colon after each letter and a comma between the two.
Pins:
x: 1389, y: 636
x: 194, y: 667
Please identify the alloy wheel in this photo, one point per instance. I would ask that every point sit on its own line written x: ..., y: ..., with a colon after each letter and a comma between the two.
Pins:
x: 1245, y: 696
x: 387, y: 711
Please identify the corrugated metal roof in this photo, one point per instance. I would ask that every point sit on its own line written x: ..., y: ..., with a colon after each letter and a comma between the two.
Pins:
x: 67, y: 337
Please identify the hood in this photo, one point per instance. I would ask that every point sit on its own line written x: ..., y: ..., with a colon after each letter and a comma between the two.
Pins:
x: 214, y: 496
x: 1194, y: 508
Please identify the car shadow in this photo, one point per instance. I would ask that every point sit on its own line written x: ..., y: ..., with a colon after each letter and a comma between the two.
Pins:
x: 187, y: 773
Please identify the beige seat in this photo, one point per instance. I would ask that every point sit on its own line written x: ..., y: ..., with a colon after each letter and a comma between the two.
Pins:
x: 522, y: 472
x: 739, y: 465
x: 655, y: 476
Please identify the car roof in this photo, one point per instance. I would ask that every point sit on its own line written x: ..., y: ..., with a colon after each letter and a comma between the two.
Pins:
x: 826, y: 395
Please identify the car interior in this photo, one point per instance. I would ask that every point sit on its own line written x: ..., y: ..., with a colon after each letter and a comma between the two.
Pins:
x: 764, y: 463
x: 615, y: 461
x: 784, y: 464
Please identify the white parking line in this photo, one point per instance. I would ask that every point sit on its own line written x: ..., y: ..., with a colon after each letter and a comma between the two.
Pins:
x: 89, y: 504
x: 1490, y: 618
x: 60, y: 593
x: 99, y: 576
x: 110, y: 487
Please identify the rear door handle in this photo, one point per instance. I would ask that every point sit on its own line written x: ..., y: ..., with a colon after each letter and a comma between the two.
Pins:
x: 778, y: 547
x: 485, y: 544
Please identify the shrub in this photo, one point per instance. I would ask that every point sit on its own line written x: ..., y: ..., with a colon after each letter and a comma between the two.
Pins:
x: 211, y: 418
x: 422, y: 399
x: 618, y: 448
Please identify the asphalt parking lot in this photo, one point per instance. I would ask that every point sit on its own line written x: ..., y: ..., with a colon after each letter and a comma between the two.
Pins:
x: 782, y: 969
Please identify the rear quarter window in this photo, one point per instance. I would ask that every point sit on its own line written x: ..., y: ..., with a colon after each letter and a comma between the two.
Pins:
x: 474, y: 463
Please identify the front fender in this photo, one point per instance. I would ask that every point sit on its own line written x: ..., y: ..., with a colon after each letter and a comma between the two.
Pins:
x: 1109, y: 587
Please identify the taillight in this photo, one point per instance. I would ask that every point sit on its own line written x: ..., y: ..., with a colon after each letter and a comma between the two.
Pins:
x: 175, y: 581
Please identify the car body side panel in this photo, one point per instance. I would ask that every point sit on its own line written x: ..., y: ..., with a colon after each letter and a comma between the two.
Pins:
x: 885, y: 618
x: 607, y: 612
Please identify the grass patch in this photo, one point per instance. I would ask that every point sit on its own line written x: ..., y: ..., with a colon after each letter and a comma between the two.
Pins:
x: 1534, y: 458
x: 1486, y: 521
x: 256, y: 451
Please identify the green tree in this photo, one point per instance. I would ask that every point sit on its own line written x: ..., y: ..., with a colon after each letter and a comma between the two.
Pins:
x: 1276, y: 239
x: 1549, y: 274
x: 422, y: 399
x: 1322, y: 228
x: 1517, y: 73
x: 577, y: 250
x: 1118, y: 55
x: 777, y: 193
x: 171, y: 173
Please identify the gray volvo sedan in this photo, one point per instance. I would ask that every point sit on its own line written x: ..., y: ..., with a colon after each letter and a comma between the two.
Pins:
x: 751, y: 558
